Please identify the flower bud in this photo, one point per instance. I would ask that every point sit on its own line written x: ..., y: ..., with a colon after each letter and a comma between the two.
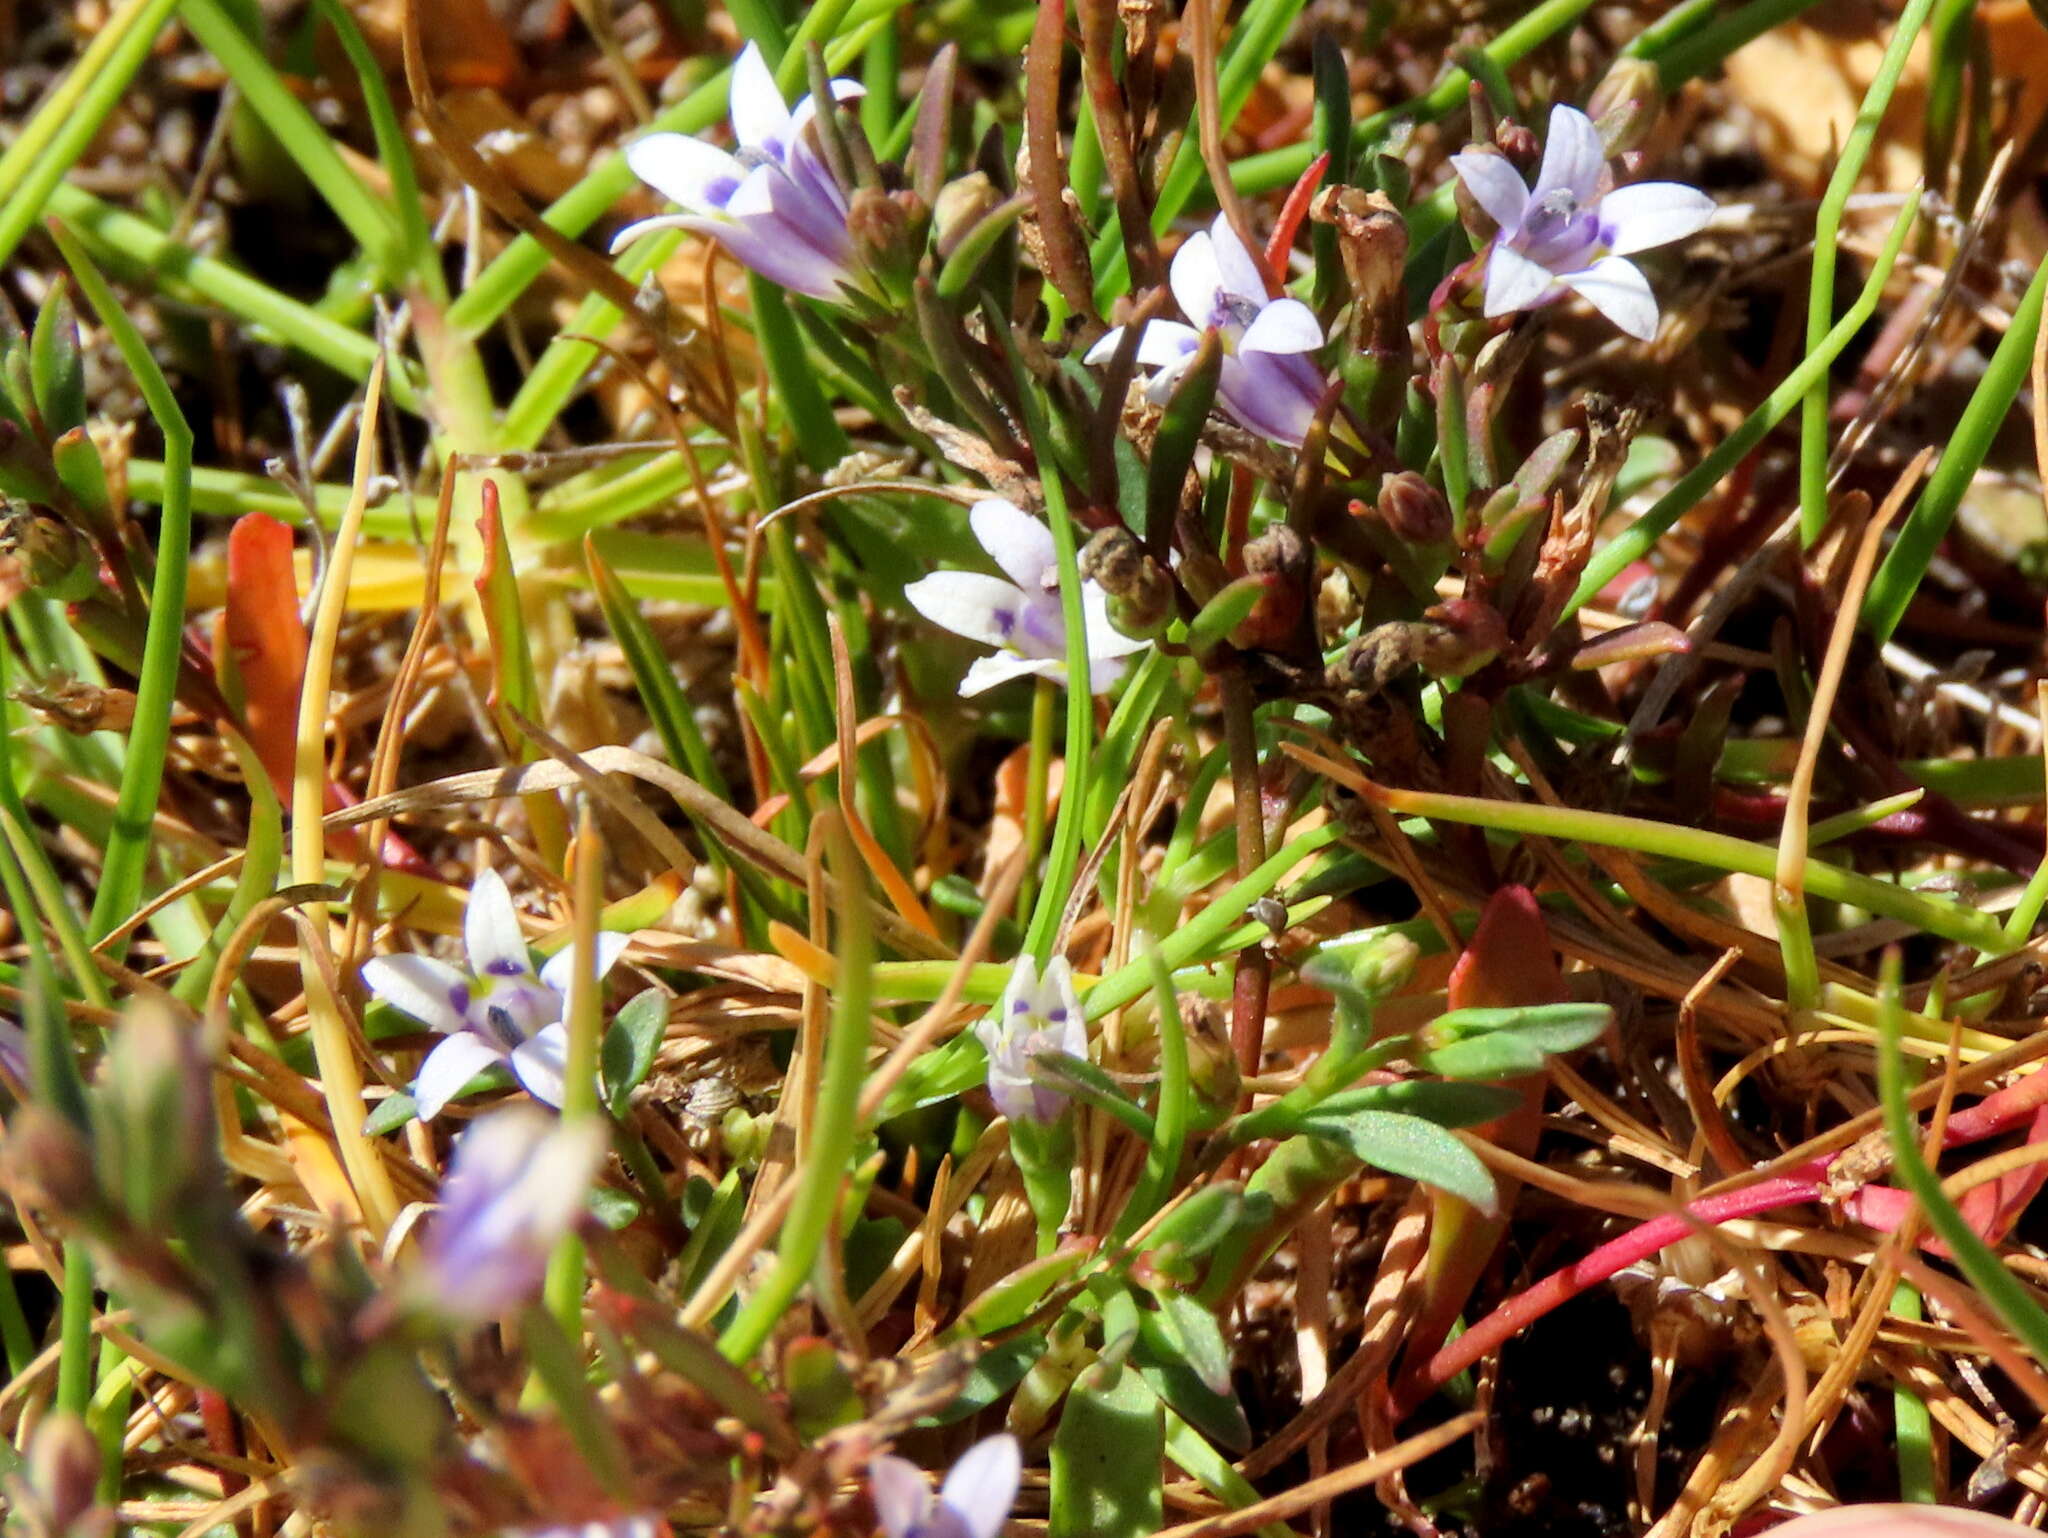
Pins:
x: 57, y: 563
x: 49, y: 1163
x: 961, y: 205
x: 885, y: 227
x: 55, y: 1493
x: 1140, y: 593
x: 1413, y: 510
x: 1283, y: 563
x: 1625, y: 104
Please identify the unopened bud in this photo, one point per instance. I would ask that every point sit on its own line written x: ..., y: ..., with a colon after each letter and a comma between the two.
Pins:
x: 49, y: 1163
x: 56, y: 1492
x: 883, y: 226
x: 1625, y: 104
x: 1413, y: 510
x: 962, y: 204
x: 57, y: 563
x: 1470, y: 635
x: 1140, y: 593
x: 1372, y: 239
x: 153, y: 1119
x: 1282, y: 562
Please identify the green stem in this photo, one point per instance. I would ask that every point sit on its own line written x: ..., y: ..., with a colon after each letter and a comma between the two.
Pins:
x: 1037, y: 771
x: 128, y: 847
x: 1820, y: 296
x: 833, y: 1123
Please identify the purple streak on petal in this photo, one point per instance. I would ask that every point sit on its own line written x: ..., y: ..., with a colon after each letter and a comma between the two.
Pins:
x: 1273, y: 394
x: 1513, y: 282
x: 760, y: 117
x: 421, y: 987
x: 1617, y: 288
x: 1573, y: 157
x: 1495, y: 186
x: 490, y: 929
x: 687, y: 171
x: 966, y: 603
x: 790, y: 263
x: 1652, y: 214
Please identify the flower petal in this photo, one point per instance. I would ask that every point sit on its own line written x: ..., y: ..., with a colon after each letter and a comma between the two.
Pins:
x: 1652, y: 214
x: 491, y: 932
x: 1195, y: 279
x: 1106, y: 345
x: 432, y: 992
x: 1274, y: 394
x: 699, y: 176
x: 900, y: 1495
x: 791, y: 263
x: 982, y: 608
x: 1513, y: 282
x: 540, y: 1061
x: 760, y: 117
x: 560, y: 969
x: 982, y: 1486
x: 1284, y: 326
x: 1160, y: 344
x: 1573, y: 156
x: 1495, y: 185
x: 1015, y: 541
x: 1242, y: 275
x: 1617, y: 288
x: 988, y: 672
x: 450, y: 1068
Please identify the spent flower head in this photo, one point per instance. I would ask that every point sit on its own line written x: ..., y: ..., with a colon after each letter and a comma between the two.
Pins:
x: 1037, y: 1014
x: 514, y: 1188
x: 973, y: 1502
x: 1022, y: 617
x: 772, y: 202
x: 1573, y: 231
x: 500, y: 1011
x: 1268, y: 382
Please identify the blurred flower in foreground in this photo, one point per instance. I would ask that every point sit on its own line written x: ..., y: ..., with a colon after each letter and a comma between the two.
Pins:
x: 53, y: 1491
x: 1268, y: 383
x: 773, y: 204
x: 1037, y: 1014
x: 1566, y: 233
x: 499, y: 1012
x: 618, y: 1527
x: 514, y: 1188
x: 973, y: 1502
x: 1021, y: 617
x: 1900, y: 1521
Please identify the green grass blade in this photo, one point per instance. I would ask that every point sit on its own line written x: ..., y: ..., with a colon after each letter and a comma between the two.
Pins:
x: 1927, y: 525
x: 128, y: 849
x: 70, y: 118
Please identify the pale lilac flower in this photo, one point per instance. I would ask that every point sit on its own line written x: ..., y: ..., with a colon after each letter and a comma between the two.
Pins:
x: 1037, y: 1014
x: 514, y: 1188
x: 497, y: 1012
x: 1900, y: 1521
x: 1268, y: 382
x: 973, y: 1503
x: 773, y: 203
x: 1574, y: 230
x: 1021, y: 617
x: 642, y: 1526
